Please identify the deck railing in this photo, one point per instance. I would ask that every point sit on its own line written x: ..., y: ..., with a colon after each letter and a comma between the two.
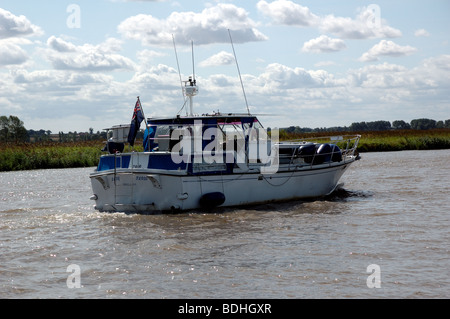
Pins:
x: 343, y: 148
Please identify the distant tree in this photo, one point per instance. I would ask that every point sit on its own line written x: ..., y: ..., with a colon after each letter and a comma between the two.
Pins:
x: 290, y: 129
x: 379, y: 126
x: 423, y: 124
x: 358, y: 126
x: 17, y: 130
x: 447, y: 124
x: 4, y: 128
x: 12, y: 129
x: 401, y: 125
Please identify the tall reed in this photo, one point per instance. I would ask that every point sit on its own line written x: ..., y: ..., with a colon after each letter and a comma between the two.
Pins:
x: 28, y: 156
x: 44, y: 155
x: 393, y: 140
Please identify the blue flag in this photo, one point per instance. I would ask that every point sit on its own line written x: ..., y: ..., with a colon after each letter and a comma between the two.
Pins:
x: 138, y: 117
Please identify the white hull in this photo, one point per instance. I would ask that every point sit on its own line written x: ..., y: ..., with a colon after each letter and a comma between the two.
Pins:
x: 146, y: 190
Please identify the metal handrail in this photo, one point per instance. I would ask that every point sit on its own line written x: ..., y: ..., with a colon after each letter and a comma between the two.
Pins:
x: 347, y: 145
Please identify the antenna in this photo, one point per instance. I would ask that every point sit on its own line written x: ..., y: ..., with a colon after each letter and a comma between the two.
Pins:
x: 190, y: 86
x: 193, y: 62
x: 179, y: 74
x: 239, y: 71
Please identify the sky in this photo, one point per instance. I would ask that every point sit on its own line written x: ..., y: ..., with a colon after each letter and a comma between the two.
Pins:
x: 75, y: 65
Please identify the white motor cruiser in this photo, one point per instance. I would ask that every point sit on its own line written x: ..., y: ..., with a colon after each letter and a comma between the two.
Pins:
x: 202, y: 162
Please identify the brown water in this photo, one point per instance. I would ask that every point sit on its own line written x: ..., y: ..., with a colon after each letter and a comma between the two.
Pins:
x: 393, y: 212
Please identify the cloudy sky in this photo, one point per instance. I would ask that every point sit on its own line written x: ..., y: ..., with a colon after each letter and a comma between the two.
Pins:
x: 72, y: 65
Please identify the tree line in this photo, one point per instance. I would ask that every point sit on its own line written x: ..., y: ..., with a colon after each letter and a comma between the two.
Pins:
x: 61, y: 137
x: 12, y: 130
x: 416, y: 124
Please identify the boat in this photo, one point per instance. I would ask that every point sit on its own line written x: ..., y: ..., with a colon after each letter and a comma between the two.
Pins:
x: 206, y: 161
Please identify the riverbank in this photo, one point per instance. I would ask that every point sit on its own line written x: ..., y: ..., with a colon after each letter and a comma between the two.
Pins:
x: 405, y: 140
x: 28, y: 156
x: 388, y: 141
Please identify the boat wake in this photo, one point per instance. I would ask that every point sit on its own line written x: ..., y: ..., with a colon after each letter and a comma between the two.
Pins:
x: 342, y: 194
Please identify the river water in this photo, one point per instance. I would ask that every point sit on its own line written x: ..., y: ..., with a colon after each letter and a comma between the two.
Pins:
x: 383, y: 234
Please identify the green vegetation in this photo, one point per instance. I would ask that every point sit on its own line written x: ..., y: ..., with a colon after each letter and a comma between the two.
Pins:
x: 12, y: 129
x: 405, y: 140
x: 25, y: 156
x: 44, y: 155
x: 392, y: 140
x: 382, y: 136
x: 417, y: 124
x: 25, y: 150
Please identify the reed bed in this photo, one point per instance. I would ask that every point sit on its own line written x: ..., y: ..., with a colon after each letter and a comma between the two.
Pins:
x: 395, y: 140
x: 26, y: 156
x: 405, y: 140
x: 45, y: 155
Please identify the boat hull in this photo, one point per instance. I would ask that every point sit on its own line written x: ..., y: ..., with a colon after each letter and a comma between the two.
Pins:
x: 124, y: 190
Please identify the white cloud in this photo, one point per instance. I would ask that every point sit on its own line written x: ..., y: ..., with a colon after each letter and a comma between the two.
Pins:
x: 323, y: 44
x: 386, y: 48
x: 288, y: 13
x: 362, y: 27
x: 144, y: 0
x: 67, y: 56
x: 49, y: 78
x: 11, y: 53
x: 435, y: 72
x: 380, y: 76
x: 16, y: 26
x: 209, y: 26
x: 284, y: 77
x: 367, y: 23
x: 278, y: 89
x: 60, y: 45
x: 13, y: 30
x: 381, y: 91
x: 324, y: 63
x: 49, y: 84
x: 221, y: 58
x: 405, y: 93
x: 421, y: 33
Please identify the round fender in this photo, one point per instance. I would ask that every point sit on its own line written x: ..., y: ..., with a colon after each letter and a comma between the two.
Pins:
x: 211, y: 200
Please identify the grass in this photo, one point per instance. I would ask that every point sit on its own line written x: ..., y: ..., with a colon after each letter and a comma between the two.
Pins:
x: 406, y: 140
x: 28, y: 156
x: 44, y: 155
x: 395, y: 140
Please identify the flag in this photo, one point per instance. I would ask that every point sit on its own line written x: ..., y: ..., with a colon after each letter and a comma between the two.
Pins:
x: 138, y: 117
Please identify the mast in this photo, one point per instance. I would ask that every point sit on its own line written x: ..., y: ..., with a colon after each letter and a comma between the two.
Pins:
x: 239, y: 71
x: 190, y: 86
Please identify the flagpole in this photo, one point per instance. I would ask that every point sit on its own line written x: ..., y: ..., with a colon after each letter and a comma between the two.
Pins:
x: 143, y: 114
